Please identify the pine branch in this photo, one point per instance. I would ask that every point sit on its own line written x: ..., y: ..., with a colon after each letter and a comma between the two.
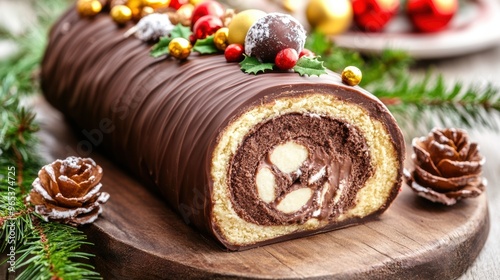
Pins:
x: 390, y: 65
x: 31, y: 45
x: 424, y: 102
x: 42, y: 250
x: 51, y: 252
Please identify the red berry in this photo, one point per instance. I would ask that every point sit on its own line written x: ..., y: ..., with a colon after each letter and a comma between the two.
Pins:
x: 234, y: 53
x: 212, y: 8
x: 176, y: 4
x: 192, y: 39
x: 286, y: 59
x: 373, y: 15
x: 206, y: 26
x: 306, y: 53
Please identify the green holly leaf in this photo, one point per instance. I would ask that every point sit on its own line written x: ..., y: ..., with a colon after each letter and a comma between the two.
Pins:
x: 310, y: 66
x: 161, y: 48
x: 205, y: 46
x: 180, y: 31
x: 252, y: 65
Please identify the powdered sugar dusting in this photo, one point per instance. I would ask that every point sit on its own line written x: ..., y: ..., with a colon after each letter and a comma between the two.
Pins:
x: 90, y: 194
x: 260, y: 29
x: 273, y: 33
x: 103, y: 198
x: 50, y: 172
x: 66, y: 213
x: 39, y: 189
x: 72, y: 162
x: 64, y: 178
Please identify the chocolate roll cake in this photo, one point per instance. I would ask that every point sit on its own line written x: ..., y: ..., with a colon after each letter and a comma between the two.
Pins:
x: 247, y: 159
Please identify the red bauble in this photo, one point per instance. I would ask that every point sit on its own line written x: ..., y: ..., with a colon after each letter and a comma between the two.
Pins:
x: 176, y: 4
x: 212, y: 8
x: 206, y: 26
x: 373, y: 15
x: 431, y: 15
x: 234, y: 53
x: 286, y: 59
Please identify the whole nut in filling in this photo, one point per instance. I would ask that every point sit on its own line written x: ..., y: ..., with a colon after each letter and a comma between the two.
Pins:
x: 447, y: 167
x: 289, y: 157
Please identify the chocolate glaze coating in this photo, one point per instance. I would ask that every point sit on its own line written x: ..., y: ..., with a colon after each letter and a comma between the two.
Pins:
x: 161, y: 118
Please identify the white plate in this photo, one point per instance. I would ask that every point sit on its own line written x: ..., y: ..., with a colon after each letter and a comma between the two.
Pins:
x: 474, y: 28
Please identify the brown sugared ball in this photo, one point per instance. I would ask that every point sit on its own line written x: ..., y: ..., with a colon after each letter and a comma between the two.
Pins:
x: 273, y: 33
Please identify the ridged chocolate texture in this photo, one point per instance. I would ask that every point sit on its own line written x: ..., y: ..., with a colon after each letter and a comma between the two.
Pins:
x: 161, y: 118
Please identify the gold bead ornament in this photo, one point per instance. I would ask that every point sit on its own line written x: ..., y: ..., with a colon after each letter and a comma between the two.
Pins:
x: 179, y: 48
x: 184, y: 14
x: 351, y: 75
x: 241, y: 22
x: 156, y: 4
x: 291, y: 5
x: 88, y: 8
x: 134, y: 4
x: 195, y: 2
x: 121, y: 14
x: 136, y: 7
x: 147, y: 11
x: 329, y: 17
x: 221, y: 38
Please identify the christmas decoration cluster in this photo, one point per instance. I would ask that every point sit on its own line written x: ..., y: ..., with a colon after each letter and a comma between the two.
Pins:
x: 259, y: 41
x: 336, y: 16
x: 448, y: 167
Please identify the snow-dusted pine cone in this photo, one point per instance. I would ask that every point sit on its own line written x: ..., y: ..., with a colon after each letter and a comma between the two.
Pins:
x: 447, y: 166
x: 68, y: 191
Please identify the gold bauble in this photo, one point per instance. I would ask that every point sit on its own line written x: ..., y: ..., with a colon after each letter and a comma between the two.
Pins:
x: 291, y: 5
x: 134, y: 4
x: 241, y: 22
x: 156, y: 4
x: 113, y: 3
x: 88, y: 8
x: 329, y: 16
x: 136, y: 8
x: 184, y: 14
x: 221, y: 38
x: 179, y: 48
x: 195, y: 2
x: 351, y: 75
x: 147, y: 11
x: 121, y: 14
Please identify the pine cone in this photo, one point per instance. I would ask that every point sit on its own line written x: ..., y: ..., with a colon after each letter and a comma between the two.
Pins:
x: 447, y: 167
x: 67, y: 191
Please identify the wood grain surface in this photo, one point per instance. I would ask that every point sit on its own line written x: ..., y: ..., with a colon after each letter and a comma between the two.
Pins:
x: 139, y: 237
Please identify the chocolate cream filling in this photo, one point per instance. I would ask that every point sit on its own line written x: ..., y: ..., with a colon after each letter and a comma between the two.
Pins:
x: 336, y: 166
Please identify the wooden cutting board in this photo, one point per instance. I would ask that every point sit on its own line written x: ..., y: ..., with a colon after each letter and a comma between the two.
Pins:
x: 139, y: 237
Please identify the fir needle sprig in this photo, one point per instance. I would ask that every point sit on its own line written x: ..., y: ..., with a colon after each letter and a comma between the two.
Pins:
x: 417, y: 102
x: 42, y: 250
